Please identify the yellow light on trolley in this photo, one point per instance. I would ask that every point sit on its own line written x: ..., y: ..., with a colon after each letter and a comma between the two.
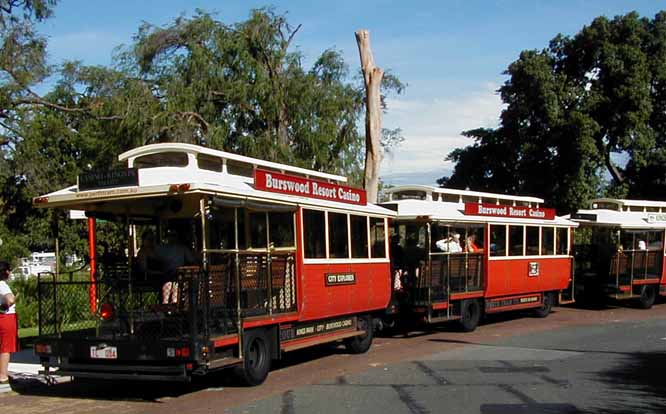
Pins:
x: 179, y: 188
x: 106, y: 312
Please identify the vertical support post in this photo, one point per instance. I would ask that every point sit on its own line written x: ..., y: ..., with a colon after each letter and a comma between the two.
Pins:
x: 129, y: 278
x: 239, y: 319
x: 269, y: 266
x: 92, y: 252
x: 204, y: 266
x: 428, y: 270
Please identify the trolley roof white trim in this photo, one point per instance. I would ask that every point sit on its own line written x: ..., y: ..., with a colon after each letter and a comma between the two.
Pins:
x: 630, y: 205
x: 159, y: 181
x: 453, y: 212
x: 503, y: 199
x: 132, y: 154
x: 623, y: 214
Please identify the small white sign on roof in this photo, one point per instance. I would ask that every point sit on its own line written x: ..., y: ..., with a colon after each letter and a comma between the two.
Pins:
x: 77, y: 215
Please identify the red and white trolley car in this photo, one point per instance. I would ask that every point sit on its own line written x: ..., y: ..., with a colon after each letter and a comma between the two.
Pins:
x: 620, y: 249
x: 280, y: 258
x: 457, y: 254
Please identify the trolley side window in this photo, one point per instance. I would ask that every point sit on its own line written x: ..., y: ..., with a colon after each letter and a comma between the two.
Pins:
x: 258, y: 230
x: 162, y: 159
x: 516, y: 240
x: 222, y: 228
x: 655, y: 240
x: 547, y: 240
x: 314, y: 234
x: 338, y: 241
x: 497, y: 240
x: 281, y: 229
x: 378, y: 238
x: 240, y: 168
x: 562, y: 242
x: 209, y: 162
x: 359, y: 236
x: 532, y: 242
x: 475, y: 238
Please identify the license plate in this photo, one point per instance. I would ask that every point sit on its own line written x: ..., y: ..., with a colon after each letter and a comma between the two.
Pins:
x: 108, y: 352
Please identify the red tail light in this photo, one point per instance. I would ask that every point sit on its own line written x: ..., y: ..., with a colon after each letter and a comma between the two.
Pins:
x: 106, y: 312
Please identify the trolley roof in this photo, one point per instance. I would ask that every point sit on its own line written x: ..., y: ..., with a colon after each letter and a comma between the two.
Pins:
x: 451, y: 194
x: 445, y: 204
x: 629, y: 214
x: 191, y: 176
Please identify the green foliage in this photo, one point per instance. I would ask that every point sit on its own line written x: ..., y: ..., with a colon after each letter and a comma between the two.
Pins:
x: 237, y: 87
x: 570, y: 110
x: 26, y: 304
x: 73, y: 301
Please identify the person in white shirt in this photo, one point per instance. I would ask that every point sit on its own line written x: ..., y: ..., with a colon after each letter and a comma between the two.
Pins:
x: 8, y: 325
x: 450, y: 244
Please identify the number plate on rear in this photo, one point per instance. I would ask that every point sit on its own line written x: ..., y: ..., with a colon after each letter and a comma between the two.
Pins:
x: 108, y: 352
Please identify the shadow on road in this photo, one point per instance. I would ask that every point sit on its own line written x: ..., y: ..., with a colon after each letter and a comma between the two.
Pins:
x: 156, y: 391
x: 638, y: 385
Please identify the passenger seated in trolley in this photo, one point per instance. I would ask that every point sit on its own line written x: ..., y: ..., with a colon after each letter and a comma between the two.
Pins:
x: 171, y: 256
x: 145, y: 258
x: 450, y: 244
x: 471, y: 246
x: 642, y: 245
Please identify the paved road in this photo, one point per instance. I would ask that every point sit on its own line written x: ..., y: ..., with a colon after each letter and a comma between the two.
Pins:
x: 574, y: 361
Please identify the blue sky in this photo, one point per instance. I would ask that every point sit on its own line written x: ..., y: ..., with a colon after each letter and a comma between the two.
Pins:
x: 451, y: 53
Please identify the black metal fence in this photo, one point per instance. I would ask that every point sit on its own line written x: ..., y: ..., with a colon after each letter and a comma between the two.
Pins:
x: 205, y: 303
x: 629, y: 265
x: 445, y: 273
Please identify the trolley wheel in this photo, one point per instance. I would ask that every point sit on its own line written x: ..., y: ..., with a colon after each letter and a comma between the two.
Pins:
x: 648, y: 297
x: 360, y: 344
x: 470, y: 315
x: 546, y: 307
x: 256, y: 358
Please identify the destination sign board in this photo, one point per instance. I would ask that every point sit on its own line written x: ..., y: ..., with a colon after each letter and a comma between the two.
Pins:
x: 657, y: 218
x: 584, y: 216
x: 125, y: 177
x: 494, y: 210
x: 305, y: 187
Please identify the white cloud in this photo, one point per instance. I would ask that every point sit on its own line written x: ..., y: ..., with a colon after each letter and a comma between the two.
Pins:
x: 432, y: 130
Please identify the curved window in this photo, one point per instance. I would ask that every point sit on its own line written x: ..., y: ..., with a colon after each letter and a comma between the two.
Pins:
x: 209, y: 162
x: 161, y: 159
x: 240, y: 168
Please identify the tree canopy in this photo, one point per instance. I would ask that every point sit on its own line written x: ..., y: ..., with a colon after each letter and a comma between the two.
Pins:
x: 236, y: 87
x: 585, y: 116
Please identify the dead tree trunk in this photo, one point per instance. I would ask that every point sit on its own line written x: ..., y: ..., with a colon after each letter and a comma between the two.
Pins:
x: 373, y: 115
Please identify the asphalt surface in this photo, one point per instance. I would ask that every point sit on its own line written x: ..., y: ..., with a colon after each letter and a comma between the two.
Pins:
x: 575, y: 361
x: 617, y: 368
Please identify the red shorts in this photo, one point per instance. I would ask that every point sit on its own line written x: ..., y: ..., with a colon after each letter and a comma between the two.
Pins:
x: 8, y: 333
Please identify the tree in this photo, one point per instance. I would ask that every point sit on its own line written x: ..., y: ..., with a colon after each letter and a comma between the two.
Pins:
x: 572, y: 111
x: 372, y: 77
x: 235, y: 87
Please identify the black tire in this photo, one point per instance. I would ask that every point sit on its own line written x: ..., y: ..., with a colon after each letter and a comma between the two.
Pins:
x: 648, y: 297
x: 546, y: 307
x: 361, y: 344
x: 256, y: 358
x: 470, y: 315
